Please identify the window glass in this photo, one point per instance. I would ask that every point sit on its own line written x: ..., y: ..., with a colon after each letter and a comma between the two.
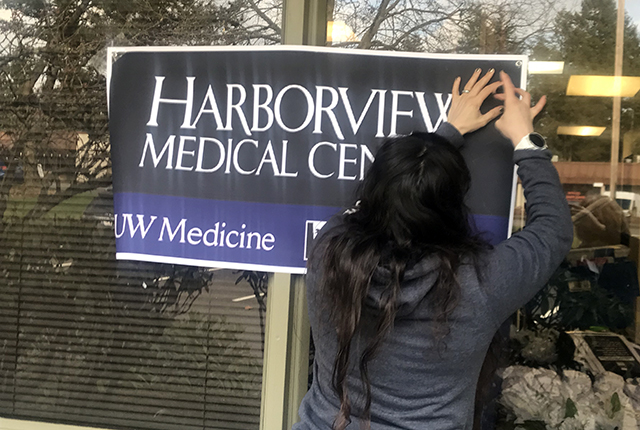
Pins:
x: 595, y: 142
x: 86, y: 339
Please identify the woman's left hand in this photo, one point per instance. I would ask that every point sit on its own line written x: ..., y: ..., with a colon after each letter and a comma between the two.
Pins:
x: 465, y: 113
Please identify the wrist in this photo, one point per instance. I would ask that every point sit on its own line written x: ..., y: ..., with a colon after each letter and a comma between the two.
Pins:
x: 519, y: 135
x: 462, y: 130
x: 532, y: 141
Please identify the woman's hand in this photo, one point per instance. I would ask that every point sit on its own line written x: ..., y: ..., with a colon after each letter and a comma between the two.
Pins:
x: 465, y: 108
x: 517, y: 120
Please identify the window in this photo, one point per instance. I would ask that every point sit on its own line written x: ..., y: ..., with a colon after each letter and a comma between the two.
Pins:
x: 86, y: 339
x: 591, y: 129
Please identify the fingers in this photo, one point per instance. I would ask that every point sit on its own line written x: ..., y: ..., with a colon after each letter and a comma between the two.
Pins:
x: 472, y: 80
x: 537, y: 108
x: 523, y: 95
x: 491, y: 88
x: 465, y: 110
x: 491, y: 115
x: 509, y: 88
x: 455, y: 91
x: 520, y: 92
x: 478, y: 87
x: 502, y: 96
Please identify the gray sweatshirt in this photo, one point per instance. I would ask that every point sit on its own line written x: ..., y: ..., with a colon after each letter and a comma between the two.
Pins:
x: 420, y: 380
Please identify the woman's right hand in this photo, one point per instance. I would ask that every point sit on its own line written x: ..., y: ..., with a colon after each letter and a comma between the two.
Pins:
x: 517, y: 118
x: 465, y: 113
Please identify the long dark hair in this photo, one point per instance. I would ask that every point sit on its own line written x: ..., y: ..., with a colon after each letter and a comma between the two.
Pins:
x: 410, y: 205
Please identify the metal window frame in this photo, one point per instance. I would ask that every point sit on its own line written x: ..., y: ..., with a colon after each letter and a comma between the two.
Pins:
x: 286, y: 355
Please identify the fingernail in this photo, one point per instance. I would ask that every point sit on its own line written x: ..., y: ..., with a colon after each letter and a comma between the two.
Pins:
x: 501, y: 108
x: 491, y: 71
x: 478, y: 70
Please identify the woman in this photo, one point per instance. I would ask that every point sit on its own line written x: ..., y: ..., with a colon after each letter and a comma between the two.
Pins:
x: 403, y: 298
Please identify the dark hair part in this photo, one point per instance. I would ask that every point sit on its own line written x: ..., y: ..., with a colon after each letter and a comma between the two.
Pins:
x: 411, y: 204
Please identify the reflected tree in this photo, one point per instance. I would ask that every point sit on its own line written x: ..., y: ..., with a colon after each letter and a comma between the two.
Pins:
x: 256, y: 22
x: 259, y: 282
x: 505, y: 26
x: 54, y: 137
x: 53, y: 92
x: 78, y: 309
x: 399, y: 25
x: 585, y: 41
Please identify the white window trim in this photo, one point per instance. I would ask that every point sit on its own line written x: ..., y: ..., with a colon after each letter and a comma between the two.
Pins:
x: 11, y: 424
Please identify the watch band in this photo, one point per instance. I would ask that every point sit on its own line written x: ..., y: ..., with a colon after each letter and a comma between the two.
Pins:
x: 532, y: 141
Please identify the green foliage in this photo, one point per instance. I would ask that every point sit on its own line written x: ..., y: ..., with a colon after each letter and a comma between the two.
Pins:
x: 570, y: 409
x: 586, y: 39
x: 556, y: 306
x: 616, y: 406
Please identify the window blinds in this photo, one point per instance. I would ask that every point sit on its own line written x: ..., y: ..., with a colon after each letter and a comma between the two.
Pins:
x: 84, y: 339
x: 90, y: 341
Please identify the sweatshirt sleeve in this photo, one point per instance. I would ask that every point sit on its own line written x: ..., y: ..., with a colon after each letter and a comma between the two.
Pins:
x: 450, y: 133
x: 520, y: 266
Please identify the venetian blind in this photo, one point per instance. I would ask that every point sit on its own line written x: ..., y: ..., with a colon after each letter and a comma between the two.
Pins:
x: 84, y: 339
x: 91, y: 341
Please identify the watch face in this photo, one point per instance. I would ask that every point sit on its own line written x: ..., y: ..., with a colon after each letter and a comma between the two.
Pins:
x: 537, y: 140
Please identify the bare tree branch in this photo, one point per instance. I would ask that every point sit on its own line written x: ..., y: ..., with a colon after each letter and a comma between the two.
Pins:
x: 420, y: 26
x: 381, y: 15
x: 271, y: 24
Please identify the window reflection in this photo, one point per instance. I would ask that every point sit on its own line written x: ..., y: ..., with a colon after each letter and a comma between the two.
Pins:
x: 597, y: 286
x: 85, y: 339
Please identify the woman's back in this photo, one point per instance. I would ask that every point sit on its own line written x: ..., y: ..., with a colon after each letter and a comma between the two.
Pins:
x: 422, y: 374
x: 401, y: 326
x: 418, y: 375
